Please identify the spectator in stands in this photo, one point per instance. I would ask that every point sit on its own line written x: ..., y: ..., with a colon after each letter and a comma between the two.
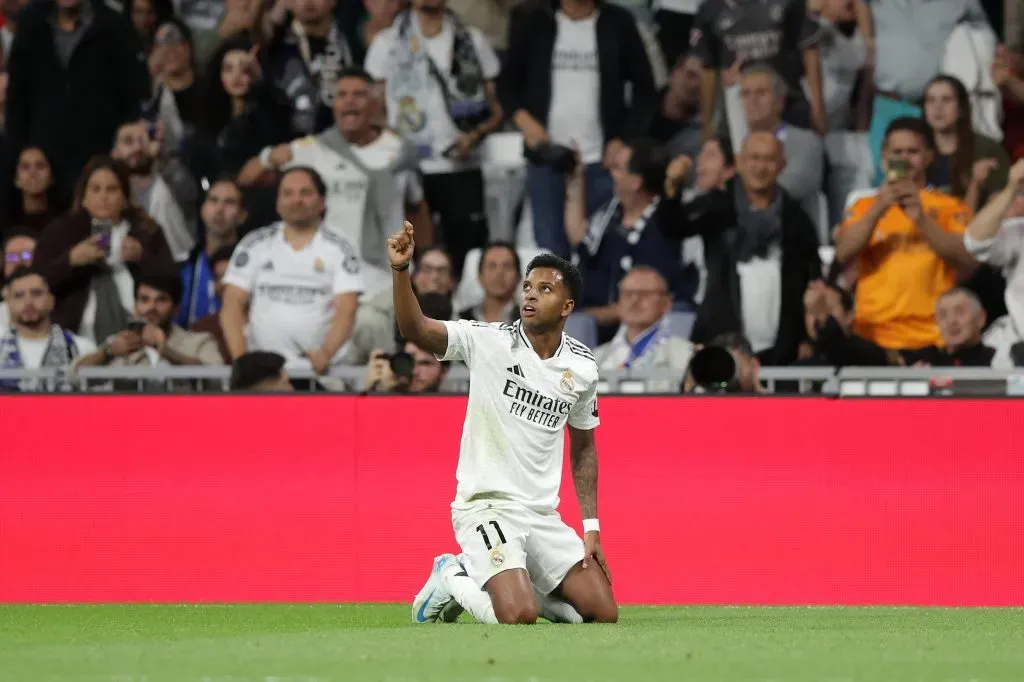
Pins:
x: 260, y: 372
x: 967, y: 165
x: 146, y: 16
x: 92, y: 256
x: 760, y: 251
x: 436, y: 77
x: 418, y: 372
x: 996, y: 236
x: 76, y: 74
x: 776, y: 35
x: 219, y: 262
x: 958, y: 313
x: 844, y: 55
x: 907, y: 243
x: 222, y: 214
x: 748, y: 367
x: 1008, y: 75
x: 911, y: 40
x: 645, y: 340
x: 305, y: 59
x: 293, y: 287
x: 677, y: 125
x: 134, y: 148
x: 764, y: 98
x: 19, y: 250
x: 499, y: 277
x: 155, y: 339
x: 12, y: 10
x: 557, y: 92
x: 241, y: 113
x: 33, y: 341
x: 37, y: 199
x: 371, y: 177
x: 433, y: 272
x: 626, y: 232
x: 177, y: 93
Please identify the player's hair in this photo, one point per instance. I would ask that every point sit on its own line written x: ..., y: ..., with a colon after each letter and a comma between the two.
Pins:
x: 168, y: 282
x: 314, y: 177
x: 570, y: 273
x: 909, y: 124
x: 355, y: 72
x: 23, y: 271
x: 734, y: 341
x: 649, y: 160
x: 252, y: 369
x: 224, y: 253
x: 499, y: 244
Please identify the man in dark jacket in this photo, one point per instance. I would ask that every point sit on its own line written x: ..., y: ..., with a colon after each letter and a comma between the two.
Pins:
x: 760, y: 252
x: 559, y: 92
x: 77, y: 72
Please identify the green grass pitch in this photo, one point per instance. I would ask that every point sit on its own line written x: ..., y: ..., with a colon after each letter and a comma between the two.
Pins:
x: 343, y: 643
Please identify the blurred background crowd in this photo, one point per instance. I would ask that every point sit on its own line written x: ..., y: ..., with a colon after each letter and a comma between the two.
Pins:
x: 829, y: 183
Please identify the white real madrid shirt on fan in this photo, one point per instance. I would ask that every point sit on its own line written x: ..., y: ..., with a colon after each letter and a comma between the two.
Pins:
x: 519, y: 405
x: 348, y: 187
x: 292, y: 292
x: 575, y: 112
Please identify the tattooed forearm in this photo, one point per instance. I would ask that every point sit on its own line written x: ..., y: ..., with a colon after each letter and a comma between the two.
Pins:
x: 583, y: 458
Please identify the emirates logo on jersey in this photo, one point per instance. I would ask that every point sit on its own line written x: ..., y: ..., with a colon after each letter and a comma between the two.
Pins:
x: 535, y: 407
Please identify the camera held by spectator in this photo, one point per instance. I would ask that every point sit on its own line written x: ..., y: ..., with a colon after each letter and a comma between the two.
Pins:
x: 411, y: 370
x: 726, y: 365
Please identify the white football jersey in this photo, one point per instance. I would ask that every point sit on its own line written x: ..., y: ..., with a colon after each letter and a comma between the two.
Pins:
x: 513, y: 439
x: 292, y: 292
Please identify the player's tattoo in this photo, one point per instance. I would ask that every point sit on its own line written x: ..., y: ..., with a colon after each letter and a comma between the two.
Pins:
x: 583, y: 458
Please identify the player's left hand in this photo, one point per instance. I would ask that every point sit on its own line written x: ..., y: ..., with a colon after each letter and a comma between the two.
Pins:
x: 592, y: 551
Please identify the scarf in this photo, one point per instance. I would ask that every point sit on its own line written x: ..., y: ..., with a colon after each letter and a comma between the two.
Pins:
x: 111, y: 317
x: 60, y: 352
x: 623, y: 355
x: 336, y: 56
x: 462, y: 88
x: 758, y: 230
x: 383, y: 206
x: 611, y: 217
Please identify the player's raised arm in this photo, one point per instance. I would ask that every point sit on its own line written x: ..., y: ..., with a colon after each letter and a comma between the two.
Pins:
x: 430, y: 335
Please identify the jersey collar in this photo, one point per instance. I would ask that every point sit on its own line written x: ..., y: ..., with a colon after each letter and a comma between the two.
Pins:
x: 518, y: 324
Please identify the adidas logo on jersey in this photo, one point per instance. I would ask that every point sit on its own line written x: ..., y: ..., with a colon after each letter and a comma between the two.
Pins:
x: 517, y: 370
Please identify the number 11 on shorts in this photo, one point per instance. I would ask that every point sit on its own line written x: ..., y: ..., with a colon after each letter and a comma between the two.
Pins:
x: 487, y: 541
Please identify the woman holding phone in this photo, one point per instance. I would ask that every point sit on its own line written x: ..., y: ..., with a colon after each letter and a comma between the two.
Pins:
x: 92, y: 255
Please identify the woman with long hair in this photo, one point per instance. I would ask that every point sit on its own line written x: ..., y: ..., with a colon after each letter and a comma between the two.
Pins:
x: 967, y: 165
x: 35, y: 198
x: 241, y: 114
x: 92, y: 255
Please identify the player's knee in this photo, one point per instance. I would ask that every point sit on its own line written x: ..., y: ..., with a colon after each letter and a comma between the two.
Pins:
x: 517, y: 614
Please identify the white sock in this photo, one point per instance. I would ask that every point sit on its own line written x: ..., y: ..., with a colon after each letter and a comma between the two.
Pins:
x: 469, y: 595
x: 556, y: 610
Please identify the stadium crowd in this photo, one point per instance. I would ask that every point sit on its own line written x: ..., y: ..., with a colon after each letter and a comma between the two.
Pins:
x: 831, y: 183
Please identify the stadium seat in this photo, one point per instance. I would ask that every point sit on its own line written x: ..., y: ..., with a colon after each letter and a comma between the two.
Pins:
x: 583, y: 328
x: 680, y: 323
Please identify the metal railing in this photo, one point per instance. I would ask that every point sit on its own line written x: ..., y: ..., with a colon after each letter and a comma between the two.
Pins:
x: 847, y: 382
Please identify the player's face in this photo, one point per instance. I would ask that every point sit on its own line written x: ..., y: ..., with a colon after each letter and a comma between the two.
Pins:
x: 546, y: 301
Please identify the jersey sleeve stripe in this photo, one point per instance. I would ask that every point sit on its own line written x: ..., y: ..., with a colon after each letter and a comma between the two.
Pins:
x: 256, y: 236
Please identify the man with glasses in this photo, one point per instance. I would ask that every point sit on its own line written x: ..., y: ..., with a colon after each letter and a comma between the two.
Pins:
x: 18, y: 252
x: 645, y: 342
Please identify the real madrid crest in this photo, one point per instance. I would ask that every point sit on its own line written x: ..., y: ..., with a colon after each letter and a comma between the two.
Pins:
x: 566, y: 381
x: 497, y: 558
x: 318, y: 265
